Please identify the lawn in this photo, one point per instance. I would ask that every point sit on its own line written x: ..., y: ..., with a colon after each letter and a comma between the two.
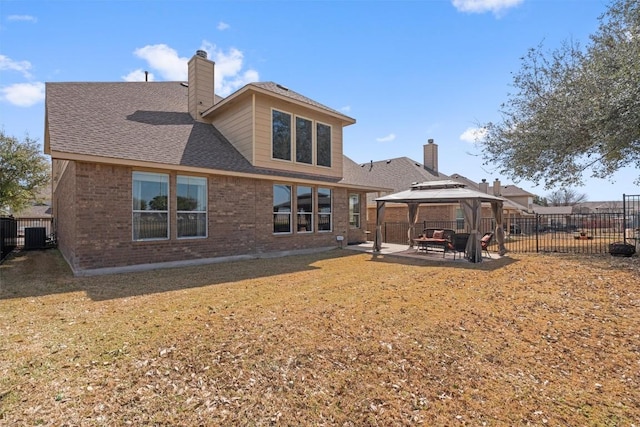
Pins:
x: 337, y: 338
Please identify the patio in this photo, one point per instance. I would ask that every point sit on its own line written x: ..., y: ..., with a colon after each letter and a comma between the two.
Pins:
x: 405, y: 251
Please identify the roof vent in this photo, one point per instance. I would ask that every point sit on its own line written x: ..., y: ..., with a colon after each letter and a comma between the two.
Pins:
x: 201, y: 53
x: 282, y: 87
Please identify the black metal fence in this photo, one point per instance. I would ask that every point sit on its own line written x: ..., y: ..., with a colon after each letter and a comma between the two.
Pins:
x: 28, y: 233
x: 8, y: 236
x: 574, y: 233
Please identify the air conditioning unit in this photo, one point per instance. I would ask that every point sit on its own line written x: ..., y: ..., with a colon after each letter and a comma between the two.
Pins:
x: 35, y: 238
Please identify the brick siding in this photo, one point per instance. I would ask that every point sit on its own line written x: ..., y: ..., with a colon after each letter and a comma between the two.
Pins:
x: 94, y: 215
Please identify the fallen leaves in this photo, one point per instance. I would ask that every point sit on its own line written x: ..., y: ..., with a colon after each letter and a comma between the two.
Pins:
x: 326, y: 339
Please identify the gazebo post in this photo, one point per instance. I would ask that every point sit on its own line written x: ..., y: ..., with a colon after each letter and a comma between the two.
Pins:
x: 377, y: 239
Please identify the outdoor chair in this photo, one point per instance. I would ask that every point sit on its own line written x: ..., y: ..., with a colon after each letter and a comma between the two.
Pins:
x: 486, y: 241
x: 460, y: 243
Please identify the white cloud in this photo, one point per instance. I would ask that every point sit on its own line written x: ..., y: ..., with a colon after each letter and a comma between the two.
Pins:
x: 473, y: 135
x: 346, y: 109
x: 228, y: 77
x: 23, y: 94
x: 165, y: 60
x: 24, y: 18
x: 138, y: 76
x: 223, y: 26
x: 481, y: 6
x: 388, y: 138
x: 23, y: 67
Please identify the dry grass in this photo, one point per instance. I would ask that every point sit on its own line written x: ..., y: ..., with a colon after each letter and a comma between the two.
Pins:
x: 338, y: 338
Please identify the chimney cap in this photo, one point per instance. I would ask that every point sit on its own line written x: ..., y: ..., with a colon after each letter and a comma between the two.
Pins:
x: 430, y: 140
x: 201, y: 53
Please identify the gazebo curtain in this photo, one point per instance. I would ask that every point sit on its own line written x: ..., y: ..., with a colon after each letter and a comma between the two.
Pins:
x: 377, y: 240
x: 496, y: 207
x: 472, y: 212
x: 413, y: 218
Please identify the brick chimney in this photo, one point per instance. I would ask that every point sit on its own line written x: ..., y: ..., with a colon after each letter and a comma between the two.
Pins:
x: 201, y: 92
x: 497, y: 189
x: 431, y: 156
x: 483, y: 187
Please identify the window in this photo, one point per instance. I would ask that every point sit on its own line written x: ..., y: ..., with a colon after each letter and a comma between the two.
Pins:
x: 354, y: 210
x: 281, y: 136
x: 305, y: 209
x: 192, y: 206
x: 459, y: 219
x: 323, y: 144
x: 304, y: 141
x: 324, y: 209
x: 150, y: 206
x: 281, y: 208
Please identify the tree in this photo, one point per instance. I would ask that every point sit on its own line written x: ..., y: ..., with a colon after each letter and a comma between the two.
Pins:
x: 540, y: 201
x: 24, y: 171
x: 575, y: 110
x: 566, y: 197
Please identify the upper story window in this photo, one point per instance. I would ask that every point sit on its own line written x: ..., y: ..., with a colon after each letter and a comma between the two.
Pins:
x: 281, y: 208
x: 150, y: 201
x: 304, y: 141
x: 323, y: 144
x: 281, y: 135
x: 300, y: 141
x: 354, y: 210
x: 192, y: 206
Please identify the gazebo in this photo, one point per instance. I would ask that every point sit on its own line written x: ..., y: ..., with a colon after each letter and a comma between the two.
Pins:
x: 446, y: 191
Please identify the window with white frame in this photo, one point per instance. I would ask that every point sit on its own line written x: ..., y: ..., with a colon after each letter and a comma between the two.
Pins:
x: 295, y: 137
x: 281, y: 135
x: 150, y: 200
x: 191, y: 202
x: 304, y: 141
x: 281, y: 208
x: 323, y: 145
x: 324, y: 209
x: 304, y: 206
x: 354, y: 210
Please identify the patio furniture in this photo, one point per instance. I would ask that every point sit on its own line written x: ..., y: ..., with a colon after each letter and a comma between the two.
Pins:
x: 436, y: 238
x: 485, y: 242
x: 460, y: 243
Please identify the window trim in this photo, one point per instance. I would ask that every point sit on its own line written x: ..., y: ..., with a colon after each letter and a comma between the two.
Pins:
x: 330, y: 144
x: 311, y: 214
x: 353, y: 213
x: 329, y: 214
x: 205, y: 211
x: 295, y: 139
x: 291, y: 136
x: 166, y: 212
x: 290, y: 213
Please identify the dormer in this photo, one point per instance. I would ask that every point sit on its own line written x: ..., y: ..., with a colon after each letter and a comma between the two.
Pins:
x: 273, y: 126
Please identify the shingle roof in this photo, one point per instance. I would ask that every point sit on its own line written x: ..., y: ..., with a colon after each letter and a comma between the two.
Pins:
x: 141, y: 121
x: 285, y: 91
x: 396, y: 174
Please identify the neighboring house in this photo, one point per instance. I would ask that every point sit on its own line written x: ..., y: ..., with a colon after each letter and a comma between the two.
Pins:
x: 400, y: 173
x: 556, y: 218
x: 36, y: 215
x: 598, y: 207
x: 168, y: 172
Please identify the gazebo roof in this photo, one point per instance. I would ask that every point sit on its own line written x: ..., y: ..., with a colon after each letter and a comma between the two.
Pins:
x: 445, y: 191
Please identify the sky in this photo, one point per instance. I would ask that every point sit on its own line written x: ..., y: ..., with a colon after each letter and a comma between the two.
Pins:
x: 406, y: 71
